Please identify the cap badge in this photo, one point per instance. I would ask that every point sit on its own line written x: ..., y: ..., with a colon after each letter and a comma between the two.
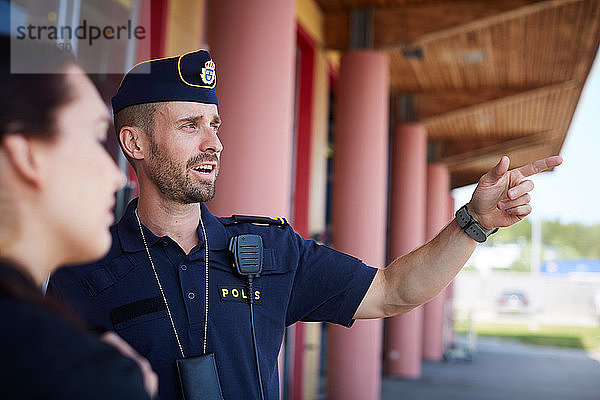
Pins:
x: 208, y: 72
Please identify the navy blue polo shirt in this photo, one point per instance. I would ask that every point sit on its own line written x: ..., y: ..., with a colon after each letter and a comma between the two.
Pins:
x: 301, y: 281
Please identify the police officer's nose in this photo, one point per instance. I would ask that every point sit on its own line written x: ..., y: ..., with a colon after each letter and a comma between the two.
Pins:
x: 211, y: 143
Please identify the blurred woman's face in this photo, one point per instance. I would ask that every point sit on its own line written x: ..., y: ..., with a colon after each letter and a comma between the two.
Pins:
x: 80, y: 178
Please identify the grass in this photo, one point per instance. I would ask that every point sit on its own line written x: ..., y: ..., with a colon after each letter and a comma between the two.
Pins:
x: 559, y: 336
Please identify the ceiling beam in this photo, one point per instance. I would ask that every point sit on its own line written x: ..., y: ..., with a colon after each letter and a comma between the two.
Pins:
x: 504, y: 11
x: 542, y: 91
x: 413, y: 25
x: 470, y: 171
x: 500, y: 148
x: 429, y: 104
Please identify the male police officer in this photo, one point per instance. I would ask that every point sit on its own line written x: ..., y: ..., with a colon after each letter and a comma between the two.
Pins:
x: 168, y: 285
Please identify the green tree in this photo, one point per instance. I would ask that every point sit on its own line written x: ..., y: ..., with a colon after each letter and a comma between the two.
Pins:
x: 512, y: 234
x: 566, y: 241
x: 572, y: 240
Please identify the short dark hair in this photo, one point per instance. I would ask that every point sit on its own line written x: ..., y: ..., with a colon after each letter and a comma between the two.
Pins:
x: 29, y: 102
x: 139, y: 116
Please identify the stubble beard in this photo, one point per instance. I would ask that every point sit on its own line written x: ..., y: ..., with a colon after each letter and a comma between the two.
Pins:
x: 173, y: 179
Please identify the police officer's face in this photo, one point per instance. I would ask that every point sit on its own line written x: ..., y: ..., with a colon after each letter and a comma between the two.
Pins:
x: 80, y: 178
x: 185, y: 151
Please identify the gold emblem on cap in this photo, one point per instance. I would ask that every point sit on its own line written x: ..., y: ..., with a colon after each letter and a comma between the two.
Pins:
x: 208, y: 72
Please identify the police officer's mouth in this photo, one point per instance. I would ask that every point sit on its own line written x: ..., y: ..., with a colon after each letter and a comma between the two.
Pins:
x: 205, y: 169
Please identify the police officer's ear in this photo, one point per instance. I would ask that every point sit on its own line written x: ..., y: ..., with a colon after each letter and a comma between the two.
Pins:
x: 134, y: 142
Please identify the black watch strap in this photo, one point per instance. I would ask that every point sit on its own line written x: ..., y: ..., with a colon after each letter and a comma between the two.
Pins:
x: 471, y: 226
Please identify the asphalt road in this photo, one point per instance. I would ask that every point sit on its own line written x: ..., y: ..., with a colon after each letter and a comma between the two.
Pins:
x: 504, y: 370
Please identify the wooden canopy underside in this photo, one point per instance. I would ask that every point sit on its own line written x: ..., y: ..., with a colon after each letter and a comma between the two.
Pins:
x: 486, y: 78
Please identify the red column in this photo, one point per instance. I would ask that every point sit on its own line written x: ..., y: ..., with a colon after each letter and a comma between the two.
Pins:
x: 407, y: 231
x: 438, y: 185
x: 158, y: 35
x: 253, y: 45
x: 359, y: 212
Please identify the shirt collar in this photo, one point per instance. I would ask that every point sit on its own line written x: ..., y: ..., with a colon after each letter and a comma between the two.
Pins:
x: 131, y: 240
x: 215, y: 231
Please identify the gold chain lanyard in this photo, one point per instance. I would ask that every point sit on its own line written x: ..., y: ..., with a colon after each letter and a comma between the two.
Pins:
x: 162, y: 292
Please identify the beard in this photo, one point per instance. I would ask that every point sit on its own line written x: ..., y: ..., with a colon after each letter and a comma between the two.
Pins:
x: 173, y: 178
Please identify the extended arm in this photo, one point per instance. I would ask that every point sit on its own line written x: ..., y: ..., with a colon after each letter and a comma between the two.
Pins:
x: 500, y: 199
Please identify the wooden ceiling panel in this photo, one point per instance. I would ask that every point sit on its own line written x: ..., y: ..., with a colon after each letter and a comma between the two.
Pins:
x: 409, y: 26
x: 329, y: 6
x: 540, y: 49
x: 337, y: 30
x: 485, y: 77
x: 401, y: 21
x: 429, y: 104
x: 469, y: 172
x: 531, y: 112
x: 455, y: 153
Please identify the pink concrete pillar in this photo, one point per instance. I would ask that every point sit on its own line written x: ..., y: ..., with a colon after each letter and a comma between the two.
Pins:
x: 253, y: 45
x: 403, y: 345
x: 438, y: 185
x: 359, y: 212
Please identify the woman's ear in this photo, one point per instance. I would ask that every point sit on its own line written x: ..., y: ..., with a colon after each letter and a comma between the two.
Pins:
x: 22, y: 155
x: 133, y: 142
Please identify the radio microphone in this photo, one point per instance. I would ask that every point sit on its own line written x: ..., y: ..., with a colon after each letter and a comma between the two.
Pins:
x: 247, y: 251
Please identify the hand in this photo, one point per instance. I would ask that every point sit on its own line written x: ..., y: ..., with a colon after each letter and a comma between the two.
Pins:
x: 501, y: 197
x: 150, y: 377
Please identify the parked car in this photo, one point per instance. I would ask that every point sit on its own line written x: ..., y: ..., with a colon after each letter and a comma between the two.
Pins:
x: 513, y: 301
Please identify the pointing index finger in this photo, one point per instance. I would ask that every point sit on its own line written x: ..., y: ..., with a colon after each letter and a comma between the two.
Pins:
x: 540, y: 165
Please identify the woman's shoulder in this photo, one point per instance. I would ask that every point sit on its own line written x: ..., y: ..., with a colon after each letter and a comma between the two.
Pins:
x: 44, y: 352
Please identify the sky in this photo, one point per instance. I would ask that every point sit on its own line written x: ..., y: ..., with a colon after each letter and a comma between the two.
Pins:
x: 570, y: 193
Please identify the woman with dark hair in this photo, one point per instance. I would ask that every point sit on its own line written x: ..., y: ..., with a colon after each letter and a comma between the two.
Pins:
x: 57, y: 186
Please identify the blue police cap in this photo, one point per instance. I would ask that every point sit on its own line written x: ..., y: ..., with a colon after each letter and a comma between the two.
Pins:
x: 189, y: 77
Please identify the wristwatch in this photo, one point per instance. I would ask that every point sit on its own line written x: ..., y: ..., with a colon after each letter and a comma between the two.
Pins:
x: 471, y: 226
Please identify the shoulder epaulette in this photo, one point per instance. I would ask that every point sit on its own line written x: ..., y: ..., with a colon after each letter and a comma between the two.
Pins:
x: 252, y: 219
